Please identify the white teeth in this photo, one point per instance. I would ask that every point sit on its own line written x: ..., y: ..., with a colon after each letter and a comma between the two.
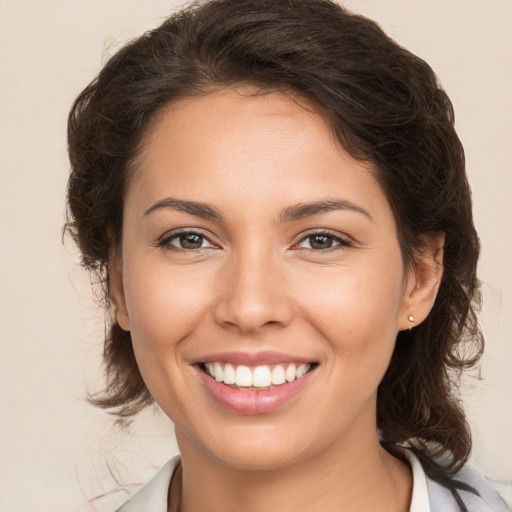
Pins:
x: 278, y: 375
x: 290, y: 373
x: 243, y: 376
x: 259, y: 377
x: 219, y: 372
x: 302, y: 370
x: 229, y: 374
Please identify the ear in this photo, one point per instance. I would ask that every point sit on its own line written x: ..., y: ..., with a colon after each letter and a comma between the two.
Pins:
x: 115, y: 277
x: 423, y: 282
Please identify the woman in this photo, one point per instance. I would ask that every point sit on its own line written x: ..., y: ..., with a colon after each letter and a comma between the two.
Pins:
x: 274, y: 197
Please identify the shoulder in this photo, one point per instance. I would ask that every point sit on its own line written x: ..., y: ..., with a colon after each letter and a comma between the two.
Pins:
x: 432, y: 496
x: 153, y: 496
x: 487, y: 499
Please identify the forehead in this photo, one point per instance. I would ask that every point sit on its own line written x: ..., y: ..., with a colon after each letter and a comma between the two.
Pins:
x: 248, y: 114
x: 237, y: 146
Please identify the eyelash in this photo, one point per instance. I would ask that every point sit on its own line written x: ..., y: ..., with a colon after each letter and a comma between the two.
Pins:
x: 340, y: 242
x: 165, y: 241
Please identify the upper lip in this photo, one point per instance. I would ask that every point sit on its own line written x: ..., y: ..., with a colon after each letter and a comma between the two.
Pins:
x: 252, y: 358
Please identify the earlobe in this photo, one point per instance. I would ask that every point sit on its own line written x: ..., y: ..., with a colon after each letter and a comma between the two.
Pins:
x: 423, y: 282
x: 122, y: 318
x: 119, y: 312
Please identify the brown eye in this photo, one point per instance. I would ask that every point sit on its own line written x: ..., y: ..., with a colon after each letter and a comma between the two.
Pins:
x: 190, y: 241
x: 320, y: 241
x: 186, y: 241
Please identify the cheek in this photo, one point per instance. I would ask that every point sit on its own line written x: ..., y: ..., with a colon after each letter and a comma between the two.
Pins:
x: 164, y: 305
x: 356, y: 310
x: 356, y: 317
x: 164, y: 308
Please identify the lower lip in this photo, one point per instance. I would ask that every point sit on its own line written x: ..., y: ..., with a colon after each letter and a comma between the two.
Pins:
x: 251, y: 401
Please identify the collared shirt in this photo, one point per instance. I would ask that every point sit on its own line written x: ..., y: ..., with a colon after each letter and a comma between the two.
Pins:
x: 427, y: 495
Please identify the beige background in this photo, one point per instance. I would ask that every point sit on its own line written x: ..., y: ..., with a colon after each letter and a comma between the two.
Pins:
x: 57, y: 452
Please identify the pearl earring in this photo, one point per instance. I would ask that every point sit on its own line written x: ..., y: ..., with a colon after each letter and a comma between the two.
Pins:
x: 411, y: 318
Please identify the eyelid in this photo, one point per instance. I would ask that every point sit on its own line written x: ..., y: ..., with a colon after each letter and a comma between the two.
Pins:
x: 164, y: 240
x: 344, y: 241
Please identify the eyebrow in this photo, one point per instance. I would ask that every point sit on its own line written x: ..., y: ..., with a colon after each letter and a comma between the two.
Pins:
x: 204, y: 210
x: 302, y: 210
x: 288, y: 214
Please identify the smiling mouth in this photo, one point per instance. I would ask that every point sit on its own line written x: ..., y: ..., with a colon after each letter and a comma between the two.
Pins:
x: 260, y: 377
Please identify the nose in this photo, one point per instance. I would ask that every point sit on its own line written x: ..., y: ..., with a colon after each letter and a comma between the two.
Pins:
x: 252, y: 293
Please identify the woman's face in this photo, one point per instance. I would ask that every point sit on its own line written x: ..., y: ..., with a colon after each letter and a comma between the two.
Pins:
x: 256, y: 249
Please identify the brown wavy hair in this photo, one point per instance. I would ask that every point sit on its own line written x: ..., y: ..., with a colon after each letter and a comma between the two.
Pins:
x: 385, y: 106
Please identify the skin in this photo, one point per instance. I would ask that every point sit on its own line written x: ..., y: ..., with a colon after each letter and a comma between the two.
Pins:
x: 257, y: 284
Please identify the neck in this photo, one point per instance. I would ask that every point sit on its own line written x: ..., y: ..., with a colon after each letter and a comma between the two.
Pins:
x: 356, y: 477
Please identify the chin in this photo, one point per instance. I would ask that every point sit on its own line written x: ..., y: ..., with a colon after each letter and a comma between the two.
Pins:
x: 256, y: 445
x: 258, y: 456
